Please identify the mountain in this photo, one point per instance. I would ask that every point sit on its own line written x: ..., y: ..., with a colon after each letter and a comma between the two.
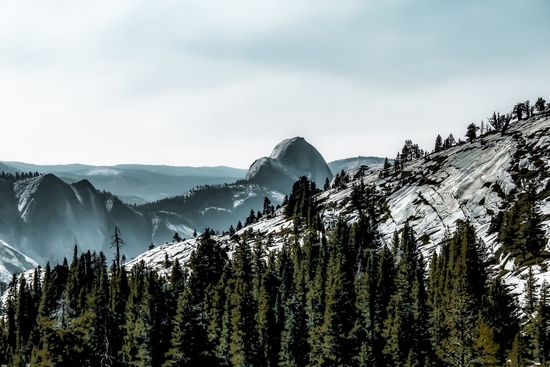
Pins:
x: 135, y: 183
x: 8, y: 169
x: 438, y: 258
x: 220, y: 206
x: 44, y: 217
x: 289, y: 160
x: 478, y: 182
x: 354, y: 163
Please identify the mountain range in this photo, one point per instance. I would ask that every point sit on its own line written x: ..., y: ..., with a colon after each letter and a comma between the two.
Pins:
x: 485, y: 182
x: 433, y: 258
x: 135, y: 183
x: 43, y: 217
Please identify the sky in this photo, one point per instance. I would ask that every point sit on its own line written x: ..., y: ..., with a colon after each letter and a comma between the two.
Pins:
x: 212, y: 82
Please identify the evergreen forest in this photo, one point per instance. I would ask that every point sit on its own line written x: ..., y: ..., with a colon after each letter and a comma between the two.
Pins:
x: 338, y: 297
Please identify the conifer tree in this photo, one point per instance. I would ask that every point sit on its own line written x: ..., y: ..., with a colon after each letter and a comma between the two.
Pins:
x: 117, y: 243
x: 339, y: 310
x: 542, y: 326
x: 500, y: 312
x: 243, y: 339
x: 363, y: 332
x: 293, y: 350
x: 438, y: 144
x: 404, y: 328
x: 118, y: 296
x: 266, y: 323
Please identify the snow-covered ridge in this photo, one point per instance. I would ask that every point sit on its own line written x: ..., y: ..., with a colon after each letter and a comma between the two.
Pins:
x: 24, y: 190
x: 467, y: 182
x: 13, y: 261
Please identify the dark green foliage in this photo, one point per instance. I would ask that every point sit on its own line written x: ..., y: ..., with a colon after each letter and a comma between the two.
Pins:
x: 471, y: 132
x: 340, y: 180
x: 301, y: 203
x: 438, y: 144
x: 449, y: 142
x: 410, y: 151
x: 520, y: 230
x: 340, y: 298
x: 500, y: 312
x: 500, y: 122
x: 540, y: 105
x: 17, y: 176
x: 385, y: 172
x: 404, y: 327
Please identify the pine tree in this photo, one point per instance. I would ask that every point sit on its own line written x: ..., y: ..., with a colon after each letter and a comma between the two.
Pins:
x: 117, y: 243
x: 500, y: 312
x: 542, y: 326
x: 485, y: 349
x: 438, y: 144
x: 518, y: 356
x: 363, y: 332
x: 404, y: 328
x: 243, y: 338
x: 339, y: 310
x: 137, y: 346
x: 267, y: 324
x: 385, y: 172
x: 532, y: 236
x: 457, y: 286
x: 291, y: 308
x: 471, y: 132
x: 118, y: 296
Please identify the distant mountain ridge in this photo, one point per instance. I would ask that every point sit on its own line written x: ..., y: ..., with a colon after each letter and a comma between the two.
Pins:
x: 476, y: 182
x: 137, y: 183
x: 354, y: 163
x: 289, y: 160
x: 44, y: 217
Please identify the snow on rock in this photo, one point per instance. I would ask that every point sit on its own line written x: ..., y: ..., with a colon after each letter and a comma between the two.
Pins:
x: 24, y: 190
x: 155, y: 257
x: 102, y: 172
x: 465, y: 182
x: 13, y: 261
x: 77, y: 194
x: 453, y: 184
x: 109, y: 203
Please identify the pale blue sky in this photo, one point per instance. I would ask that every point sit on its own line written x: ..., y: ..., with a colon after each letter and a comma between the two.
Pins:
x: 221, y: 82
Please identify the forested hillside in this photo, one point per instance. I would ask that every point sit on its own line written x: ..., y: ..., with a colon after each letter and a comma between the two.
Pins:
x: 338, y: 298
x: 321, y: 281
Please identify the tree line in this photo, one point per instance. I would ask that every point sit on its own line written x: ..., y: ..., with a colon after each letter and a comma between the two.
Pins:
x: 324, y: 298
x: 8, y: 176
x: 497, y: 122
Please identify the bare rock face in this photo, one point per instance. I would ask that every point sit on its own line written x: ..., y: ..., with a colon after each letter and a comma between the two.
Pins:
x: 290, y: 159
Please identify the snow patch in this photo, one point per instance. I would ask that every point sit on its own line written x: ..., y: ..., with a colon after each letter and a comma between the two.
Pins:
x: 109, y: 203
x: 24, y: 191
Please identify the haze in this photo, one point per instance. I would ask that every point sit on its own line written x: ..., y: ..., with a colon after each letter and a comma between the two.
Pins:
x: 198, y: 83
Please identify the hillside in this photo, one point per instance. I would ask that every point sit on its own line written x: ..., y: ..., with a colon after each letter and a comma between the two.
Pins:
x: 43, y: 216
x: 472, y: 181
x: 354, y: 163
x: 135, y: 183
x: 438, y: 259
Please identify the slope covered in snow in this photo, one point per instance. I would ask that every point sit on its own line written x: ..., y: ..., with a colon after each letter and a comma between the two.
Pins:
x: 471, y: 181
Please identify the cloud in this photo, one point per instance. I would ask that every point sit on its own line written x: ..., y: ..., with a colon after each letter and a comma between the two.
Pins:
x: 213, y: 82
